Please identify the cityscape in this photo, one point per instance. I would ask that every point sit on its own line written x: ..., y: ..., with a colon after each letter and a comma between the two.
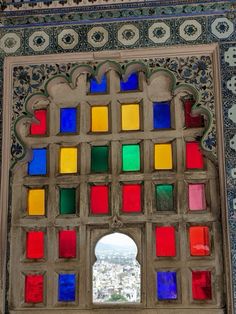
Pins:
x: 116, y: 273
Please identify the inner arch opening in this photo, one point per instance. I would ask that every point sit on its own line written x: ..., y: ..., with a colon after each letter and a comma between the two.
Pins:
x: 116, y: 272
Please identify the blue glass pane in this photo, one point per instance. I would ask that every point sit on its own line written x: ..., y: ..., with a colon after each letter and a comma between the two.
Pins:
x: 68, y: 120
x: 161, y: 115
x: 66, y: 289
x: 166, y: 285
x: 130, y: 84
x: 96, y: 87
x: 38, y: 164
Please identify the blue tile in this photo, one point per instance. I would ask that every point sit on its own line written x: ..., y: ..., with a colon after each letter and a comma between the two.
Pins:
x: 38, y: 164
x: 67, y: 286
x: 131, y: 84
x: 161, y: 115
x: 68, y: 120
x: 96, y: 87
x: 166, y: 285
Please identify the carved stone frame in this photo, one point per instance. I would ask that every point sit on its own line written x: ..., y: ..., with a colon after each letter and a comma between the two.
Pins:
x: 10, y: 62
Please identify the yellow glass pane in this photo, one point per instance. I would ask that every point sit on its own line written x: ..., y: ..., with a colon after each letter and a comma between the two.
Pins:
x: 36, y: 202
x: 68, y: 160
x: 163, y: 157
x: 130, y: 117
x: 99, y: 119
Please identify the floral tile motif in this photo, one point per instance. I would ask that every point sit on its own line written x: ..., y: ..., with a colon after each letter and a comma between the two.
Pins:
x: 222, y: 27
x: 39, y: 41
x: 190, y: 30
x: 68, y: 38
x: 159, y: 32
x: 231, y: 84
x: 10, y: 43
x: 128, y: 34
x: 230, y: 56
x: 97, y: 36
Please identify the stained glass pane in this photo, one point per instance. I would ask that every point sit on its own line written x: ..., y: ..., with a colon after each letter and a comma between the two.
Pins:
x: 161, y: 115
x: 39, y: 127
x: 67, y: 244
x: 67, y: 287
x: 131, y: 198
x: 68, y: 160
x: 67, y: 201
x: 192, y: 121
x: 99, y: 159
x: 35, y: 244
x: 131, y: 84
x: 98, y: 87
x: 38, y: 164
x: 99, y: 119
x: 196, y: 196
x: 199, y: 239
x: 34, y: 288
x: 164, y: 197
x: 131, y: 157
x: 201, y: 285
x: 36, y: 202
x: 163, y: 157
x: 166, y: 285
x: 194, y: 158
x: 68, y: 117
x: 130, y: 117
x: 165, y: 241
x: 99, y: 199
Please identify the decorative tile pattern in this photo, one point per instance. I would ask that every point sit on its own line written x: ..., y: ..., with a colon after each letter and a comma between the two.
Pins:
x: 230, y: 56
x: 190, y: 30
x: 68, y: 38
x: 97, y: 36
x: 159, y: 32
x: 39, y: 41
x: 10, y: 43
x: 231, y: 84
x: 222, y: 27
x: 128, y: 34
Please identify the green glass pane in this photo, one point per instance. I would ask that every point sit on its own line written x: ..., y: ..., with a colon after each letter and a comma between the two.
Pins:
x: 67, y: 201
x: 99, y: 159
x: 164, y: 197
x: 131, y: 157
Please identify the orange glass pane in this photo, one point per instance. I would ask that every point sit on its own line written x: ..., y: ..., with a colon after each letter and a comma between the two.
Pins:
x: 199, y: 241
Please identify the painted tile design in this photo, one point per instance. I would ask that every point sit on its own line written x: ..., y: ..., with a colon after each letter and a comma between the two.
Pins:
x: 159, y: 32
x: 39, y: 41
x: 10, y: 43
x: 128, y: 34
x: 190, y: 30
x: 97, y: 36
x: 222, y: 27
x: 68, y: 38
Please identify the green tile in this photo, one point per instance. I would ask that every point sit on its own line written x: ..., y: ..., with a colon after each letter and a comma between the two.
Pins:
x: 99, y: 159
x: 67, y: 201
x: 131, y: 157
x: 164, y: 197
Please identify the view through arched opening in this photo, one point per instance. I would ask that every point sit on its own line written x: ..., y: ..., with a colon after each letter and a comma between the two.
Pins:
x: 116, y: 272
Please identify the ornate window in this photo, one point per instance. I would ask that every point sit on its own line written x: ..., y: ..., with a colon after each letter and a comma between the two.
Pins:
x: 114, y: 146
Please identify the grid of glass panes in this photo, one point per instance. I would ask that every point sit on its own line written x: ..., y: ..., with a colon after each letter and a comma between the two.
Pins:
x: 117, y: 153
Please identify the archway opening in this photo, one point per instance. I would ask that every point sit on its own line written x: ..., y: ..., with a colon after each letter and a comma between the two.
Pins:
x: 116, y: 272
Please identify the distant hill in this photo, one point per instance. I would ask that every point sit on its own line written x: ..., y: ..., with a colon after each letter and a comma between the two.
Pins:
x: 106, y: 248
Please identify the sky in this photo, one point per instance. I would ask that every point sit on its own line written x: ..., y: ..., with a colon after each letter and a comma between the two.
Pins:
x: 117, y: 238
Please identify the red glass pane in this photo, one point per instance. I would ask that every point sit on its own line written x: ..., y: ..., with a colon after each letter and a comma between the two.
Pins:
x: 67, y: 244
x: 194, y: 158
x: 35, y: 244
x: 165, y: 241
x: 201, y: 285
x: 34, y: 289
x: 131, y: 198
x: 99, y: 200
x: 191, y: 121
x: 39, y: 128
x: 199, y: 241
